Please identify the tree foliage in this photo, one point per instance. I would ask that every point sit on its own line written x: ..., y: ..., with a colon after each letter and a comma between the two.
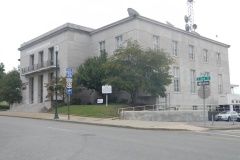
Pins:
x: 51, y: 87
x: 91, y: 73
x: 132, y: 68
x: 10, y: 90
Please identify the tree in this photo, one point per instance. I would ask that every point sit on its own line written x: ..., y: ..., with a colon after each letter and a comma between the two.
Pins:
x: 61, y: 87
x: 132, y: 68
x: 1, y: 77
x: 91, y: 73
x: 1, y: 70
x: 10, y: 90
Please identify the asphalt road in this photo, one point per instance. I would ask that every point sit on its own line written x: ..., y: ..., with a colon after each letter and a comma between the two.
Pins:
x: 31, y: 139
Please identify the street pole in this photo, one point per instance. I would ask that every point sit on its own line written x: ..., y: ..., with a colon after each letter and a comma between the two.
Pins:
x: 56, y: 85
x: 204, y: 104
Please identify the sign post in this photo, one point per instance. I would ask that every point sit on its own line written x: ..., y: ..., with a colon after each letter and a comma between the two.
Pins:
x: 107, y: 89
x: 203, y: 81
x: 69, y: 87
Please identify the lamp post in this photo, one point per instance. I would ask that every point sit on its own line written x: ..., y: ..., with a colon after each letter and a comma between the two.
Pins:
x: 56, y: 85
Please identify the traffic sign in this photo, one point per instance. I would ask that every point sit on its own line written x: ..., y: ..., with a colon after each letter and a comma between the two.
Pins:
x: 204, y: 92
x: 201, y: 83
x: 68, y: 69
x: 203, y: 78
x: 69, y: 91
x: 69, y: 74
x: 69, y: 85
x: 69, y: 80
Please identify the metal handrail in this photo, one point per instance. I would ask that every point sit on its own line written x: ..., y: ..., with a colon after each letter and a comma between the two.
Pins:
x: 133, y: 108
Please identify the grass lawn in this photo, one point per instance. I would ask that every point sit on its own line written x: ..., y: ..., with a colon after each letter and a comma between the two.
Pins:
x: 91, y: 110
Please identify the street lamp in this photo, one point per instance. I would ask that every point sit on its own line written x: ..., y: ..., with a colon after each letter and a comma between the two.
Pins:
x: 56, y: 85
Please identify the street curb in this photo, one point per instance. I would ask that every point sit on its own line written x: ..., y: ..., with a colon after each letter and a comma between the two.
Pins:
x: 97, y: 124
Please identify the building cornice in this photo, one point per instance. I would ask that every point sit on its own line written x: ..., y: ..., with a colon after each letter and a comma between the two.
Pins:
x: 194, y: 34
x: 54, y: 32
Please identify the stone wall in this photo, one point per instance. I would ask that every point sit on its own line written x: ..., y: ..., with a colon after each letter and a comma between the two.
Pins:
x: 165, y: 116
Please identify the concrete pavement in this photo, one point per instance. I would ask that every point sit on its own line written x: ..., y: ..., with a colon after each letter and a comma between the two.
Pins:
x: 116, y: 122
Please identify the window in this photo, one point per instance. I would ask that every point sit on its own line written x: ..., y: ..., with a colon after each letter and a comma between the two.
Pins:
x: 205, y: 56
x: 193, y: 80
x: 118, y: 42
x: 220, y: 84
x: 218, y: 58
x: 176, y: 80
x: 194, y: 107
x: 51, y: 55
x: 31, y: 68
x: 102, y: 46
x: 174, y: 48
x: 155, y: 42
x: 191, y: 52
x: 40, y: 65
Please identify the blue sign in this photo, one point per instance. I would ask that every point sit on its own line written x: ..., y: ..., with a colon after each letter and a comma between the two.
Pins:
x: 69, y: 91
x: 68, y: 69
x: 69, y: 75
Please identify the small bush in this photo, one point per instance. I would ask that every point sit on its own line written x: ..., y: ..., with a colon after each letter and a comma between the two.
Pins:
x: 4, y: 107
x: 75, y: 101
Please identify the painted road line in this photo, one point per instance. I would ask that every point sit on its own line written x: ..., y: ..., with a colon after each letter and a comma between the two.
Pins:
x: 229, y: 135
x: 66, y: 130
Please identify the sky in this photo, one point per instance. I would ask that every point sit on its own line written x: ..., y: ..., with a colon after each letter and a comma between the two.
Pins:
x: 24, y: 20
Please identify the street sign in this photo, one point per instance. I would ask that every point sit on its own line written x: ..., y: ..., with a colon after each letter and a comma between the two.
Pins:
x: 201, y: 83
x: 69, y: 85
x: 203, y: 78
x: 69, y: 74
x: 69, y: 91
x: 69, y: 80
x: 68, y: 69
x: 201, y: 93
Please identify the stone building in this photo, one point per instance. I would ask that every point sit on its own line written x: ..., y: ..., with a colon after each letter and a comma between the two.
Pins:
x: 194, y: 54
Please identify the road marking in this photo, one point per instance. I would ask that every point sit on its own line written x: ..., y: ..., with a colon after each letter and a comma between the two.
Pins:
x: 218, y: 134
x: 66, y: 130
x: 232, y: 131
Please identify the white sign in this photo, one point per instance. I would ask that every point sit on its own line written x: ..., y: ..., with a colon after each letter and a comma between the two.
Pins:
x: 99, y: 100
x: 68, y: 80
x: 106, y: 89
x: 69, y: 85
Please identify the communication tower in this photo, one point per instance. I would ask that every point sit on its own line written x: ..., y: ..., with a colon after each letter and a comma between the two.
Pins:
x: 189, y: 19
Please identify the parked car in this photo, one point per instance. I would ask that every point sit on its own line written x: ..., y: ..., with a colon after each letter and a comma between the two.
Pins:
x: 238, y: 117
x: 226, y: 116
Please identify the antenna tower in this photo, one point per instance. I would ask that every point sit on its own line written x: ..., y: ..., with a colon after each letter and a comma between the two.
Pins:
x: 189, y: 19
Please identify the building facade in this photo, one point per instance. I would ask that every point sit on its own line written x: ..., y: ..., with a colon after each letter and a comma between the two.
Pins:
x: 193, y: 55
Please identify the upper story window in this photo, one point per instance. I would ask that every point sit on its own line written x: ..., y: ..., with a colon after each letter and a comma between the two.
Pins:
x: 174, y: 48
x: 191, y: 52
x: 193, y: 81
x: 205, y: 55
x: 51, y: 53
x: 32, y: 60
x: 176, y: 80
x: 40, y: 59
x: 220, y: 84
x: 155, y: 42
x: 118, y: 42
x: 102, y: 46
x: 218, y: 58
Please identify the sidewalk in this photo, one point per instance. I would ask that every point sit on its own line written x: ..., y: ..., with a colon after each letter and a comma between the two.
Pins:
x: 115, y: 122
